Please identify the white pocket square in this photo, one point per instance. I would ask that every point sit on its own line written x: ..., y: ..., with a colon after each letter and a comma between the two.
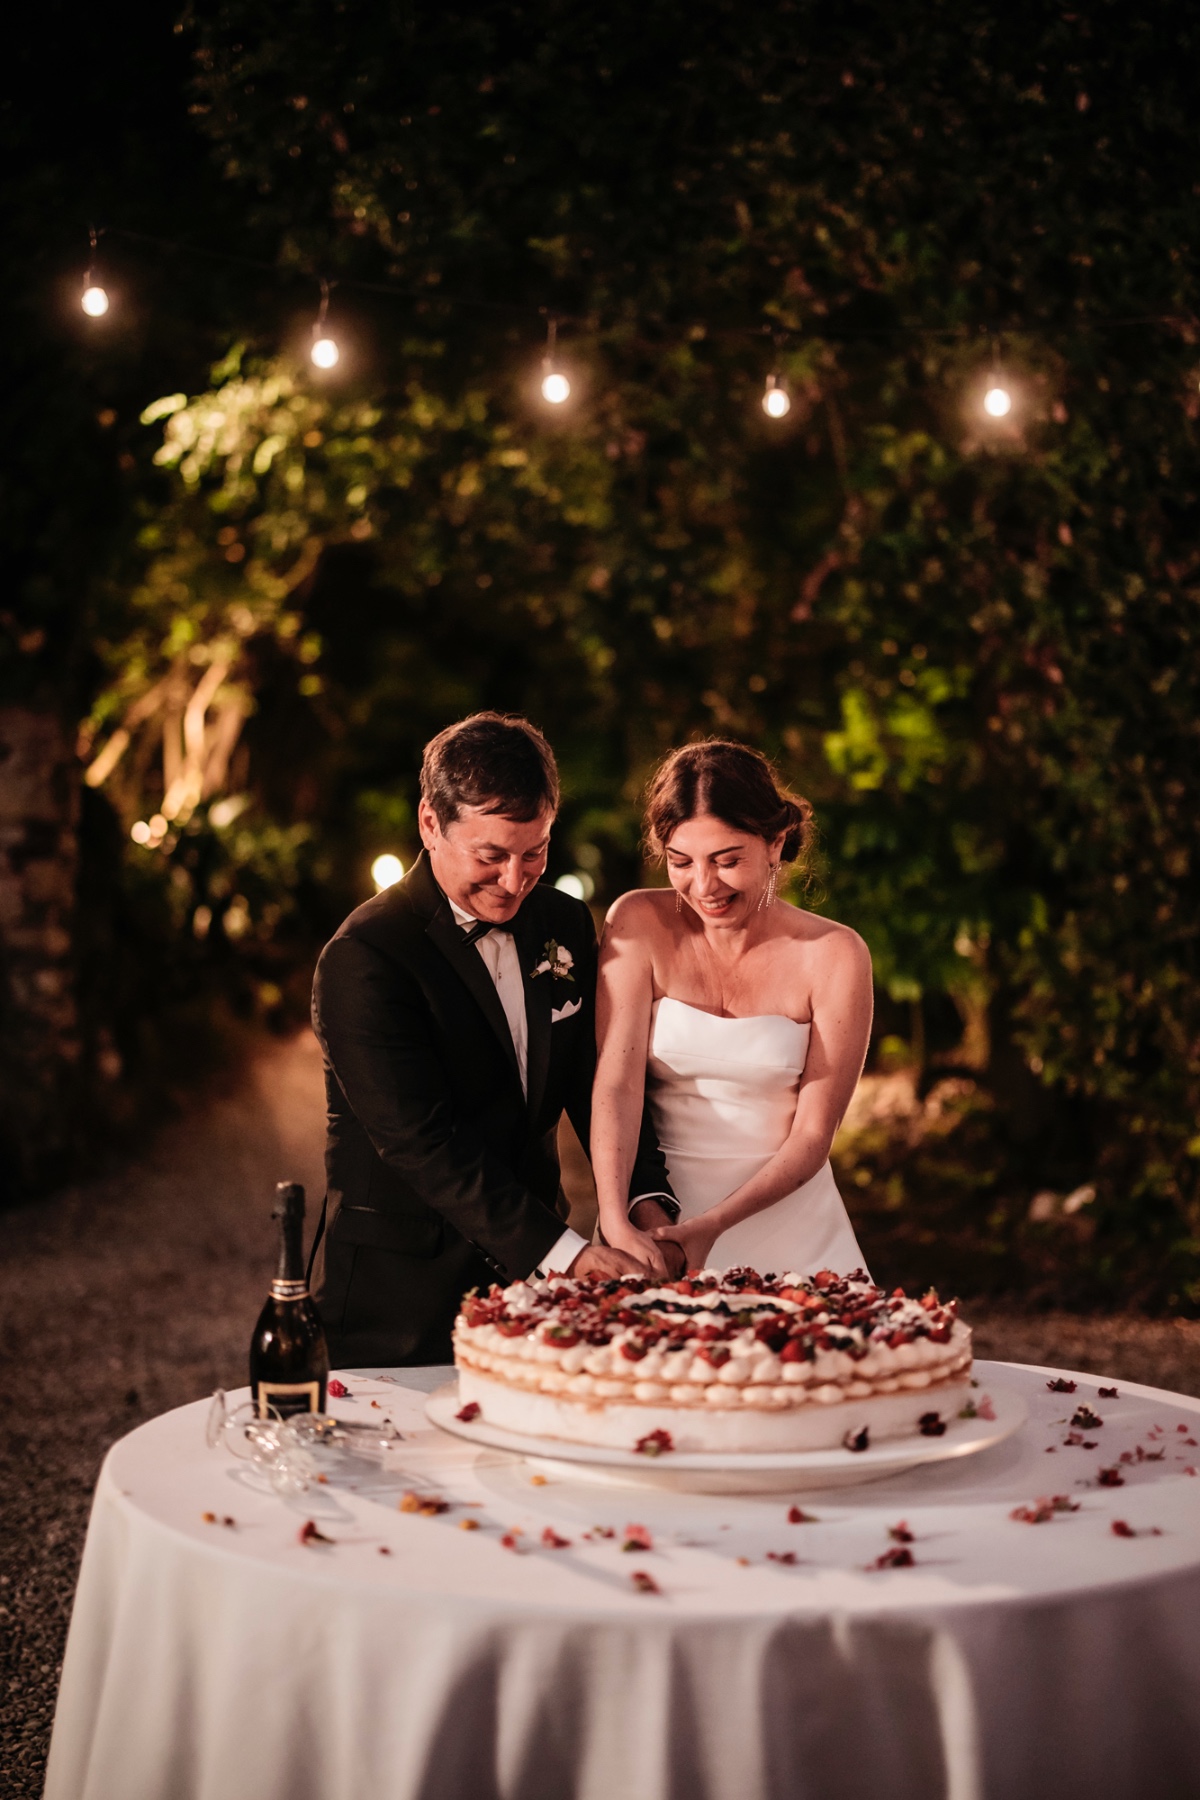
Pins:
x: 565, y: 1012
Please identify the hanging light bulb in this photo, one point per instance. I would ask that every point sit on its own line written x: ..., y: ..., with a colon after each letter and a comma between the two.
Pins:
x: 325, y: 352
x: 94, y: 300
x: 555, y: 386
x: 997, y: 399
x: 776, y: 401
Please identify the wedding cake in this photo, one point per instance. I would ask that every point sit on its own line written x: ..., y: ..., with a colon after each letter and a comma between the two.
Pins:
x: 720, y: 1361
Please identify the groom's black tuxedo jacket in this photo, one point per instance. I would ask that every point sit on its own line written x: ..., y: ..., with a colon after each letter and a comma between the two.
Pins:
x: 440, y: 1174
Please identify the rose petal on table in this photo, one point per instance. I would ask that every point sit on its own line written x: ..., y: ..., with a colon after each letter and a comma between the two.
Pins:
x: 798, y: 1516
x: 339, y: 1390
x: 1107, y: 1393
x: 552, y: 1540
x: 468, y: 1412
x: 1061, y: 1386
x: 637, y: 1538
x: 310, y: 1534
x: 898, y: 1558
x: 644, y: 1583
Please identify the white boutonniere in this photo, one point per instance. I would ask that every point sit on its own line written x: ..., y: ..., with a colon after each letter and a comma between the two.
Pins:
x: 557, y: 961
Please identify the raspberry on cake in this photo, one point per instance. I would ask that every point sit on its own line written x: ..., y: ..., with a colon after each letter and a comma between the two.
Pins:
x: 721, y: 1361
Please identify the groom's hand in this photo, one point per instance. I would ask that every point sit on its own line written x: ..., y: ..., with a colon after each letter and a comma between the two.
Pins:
x: 609, y: 1264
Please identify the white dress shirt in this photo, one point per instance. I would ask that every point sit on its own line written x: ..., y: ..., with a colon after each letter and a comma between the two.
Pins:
x: 503, y: 963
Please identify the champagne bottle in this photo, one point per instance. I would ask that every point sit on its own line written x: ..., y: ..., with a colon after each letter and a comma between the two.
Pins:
x: 289, y: 1358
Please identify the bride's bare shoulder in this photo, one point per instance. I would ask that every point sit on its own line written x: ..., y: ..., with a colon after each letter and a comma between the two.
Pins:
x: 840, y: 942
x: 643, y: 912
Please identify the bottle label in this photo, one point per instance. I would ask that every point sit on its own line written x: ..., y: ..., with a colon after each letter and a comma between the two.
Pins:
x: 288, y: 1397
x: 289, y: 1290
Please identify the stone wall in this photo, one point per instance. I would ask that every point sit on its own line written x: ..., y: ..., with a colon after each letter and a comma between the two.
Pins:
x: 41, y: 1046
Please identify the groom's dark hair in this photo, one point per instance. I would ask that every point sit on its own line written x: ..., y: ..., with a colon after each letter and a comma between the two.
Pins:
x: 492, y: 760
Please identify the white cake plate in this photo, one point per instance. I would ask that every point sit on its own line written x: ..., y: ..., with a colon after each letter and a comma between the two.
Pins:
x: 746, y: 1472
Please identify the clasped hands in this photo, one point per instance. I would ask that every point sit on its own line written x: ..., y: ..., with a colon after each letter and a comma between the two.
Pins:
x: 654, y: 1246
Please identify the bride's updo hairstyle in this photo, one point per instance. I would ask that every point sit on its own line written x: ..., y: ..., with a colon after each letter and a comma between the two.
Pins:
x: 733, y: 783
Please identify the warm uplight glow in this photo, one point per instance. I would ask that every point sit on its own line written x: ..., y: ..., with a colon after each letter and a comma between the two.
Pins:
x: 997, y: 401
x: 324, y: 352
x: 140, y: 833
x: 386, y: 871
x: 776, y: 403
x: 555, y: 388
x: 95, y: 301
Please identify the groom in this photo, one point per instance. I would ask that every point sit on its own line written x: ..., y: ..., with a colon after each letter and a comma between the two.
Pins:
x: 456, y: 1011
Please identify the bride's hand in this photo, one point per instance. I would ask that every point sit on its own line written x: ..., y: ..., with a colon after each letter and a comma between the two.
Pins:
x: 695, y: 1238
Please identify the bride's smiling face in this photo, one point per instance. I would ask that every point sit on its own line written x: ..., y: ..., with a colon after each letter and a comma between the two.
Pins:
x: 719, y: 871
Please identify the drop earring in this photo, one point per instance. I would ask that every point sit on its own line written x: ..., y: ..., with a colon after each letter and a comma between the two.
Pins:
x: 678, y: 901
x: 768, y: 899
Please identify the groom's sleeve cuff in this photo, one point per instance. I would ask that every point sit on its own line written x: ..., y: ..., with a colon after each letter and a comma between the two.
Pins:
x: 562, y: 1254
x: 668, y: 1203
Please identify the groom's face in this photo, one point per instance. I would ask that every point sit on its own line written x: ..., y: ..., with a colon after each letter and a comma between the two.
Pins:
x: 484, y: 862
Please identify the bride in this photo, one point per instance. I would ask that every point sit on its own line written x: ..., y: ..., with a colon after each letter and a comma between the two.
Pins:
x: 741, y: 1020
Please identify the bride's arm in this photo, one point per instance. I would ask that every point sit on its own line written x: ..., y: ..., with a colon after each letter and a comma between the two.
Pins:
x: 843, y: 1002
x: 624, y: 998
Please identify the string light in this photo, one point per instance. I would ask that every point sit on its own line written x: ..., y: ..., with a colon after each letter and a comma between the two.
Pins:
x: 386, y: 871
x: 555, y: 386
x: 325, y: 352
x: 94, y: 300
x: 997, y: 401
x: 776, y: 402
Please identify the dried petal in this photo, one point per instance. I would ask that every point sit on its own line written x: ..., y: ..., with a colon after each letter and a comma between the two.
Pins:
x: 900, y: 1534
x: 1061, y: 1386
x: 428, y: 1505
x: 782, y: 1556
x: 899, y: 1558
x: 552, y: 1540
x: 339, y: 1390
x: 1111, y: 1477
x: 798, y: 1516
x: 655, y: 1443
x: 468, y: 1412
x: 1121, y: 1529
x: 644, y: 1583
x: 1107, y: 1393
x: 930, y: 1425
x: 637, y: 1538
x: 1085, y: 1418
x: 468, y: 1524
x: 857, y: 1440
x: 309, y: 1534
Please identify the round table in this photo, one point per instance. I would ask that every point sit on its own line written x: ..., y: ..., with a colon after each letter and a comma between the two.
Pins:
x: 412, y: 1659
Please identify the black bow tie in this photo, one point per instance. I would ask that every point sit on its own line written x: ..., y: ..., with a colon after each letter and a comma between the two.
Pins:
x: 481, y: 928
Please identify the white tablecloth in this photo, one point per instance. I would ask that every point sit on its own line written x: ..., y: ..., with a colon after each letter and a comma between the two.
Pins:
x: 1013, y: 1661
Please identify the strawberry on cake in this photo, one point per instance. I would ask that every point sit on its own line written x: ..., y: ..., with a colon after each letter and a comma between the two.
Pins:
x: 721, y: 1361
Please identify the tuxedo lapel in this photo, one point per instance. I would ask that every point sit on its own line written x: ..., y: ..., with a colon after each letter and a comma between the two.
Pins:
x: 444, y: 931
x: 530, y: 934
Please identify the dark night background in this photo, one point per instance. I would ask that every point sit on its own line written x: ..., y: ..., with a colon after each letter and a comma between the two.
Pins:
x: 971, y: 642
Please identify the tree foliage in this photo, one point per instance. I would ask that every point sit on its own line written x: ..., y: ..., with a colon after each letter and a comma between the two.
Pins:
x: 972, y: 643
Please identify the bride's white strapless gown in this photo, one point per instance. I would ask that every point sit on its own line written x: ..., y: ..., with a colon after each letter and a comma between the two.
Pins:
x: 722, y: 1094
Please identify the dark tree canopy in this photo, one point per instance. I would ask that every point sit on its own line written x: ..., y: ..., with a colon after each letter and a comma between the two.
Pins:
x: 971, y: 642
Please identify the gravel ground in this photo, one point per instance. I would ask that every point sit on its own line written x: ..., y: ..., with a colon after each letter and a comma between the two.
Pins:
x: 123, y: 1297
